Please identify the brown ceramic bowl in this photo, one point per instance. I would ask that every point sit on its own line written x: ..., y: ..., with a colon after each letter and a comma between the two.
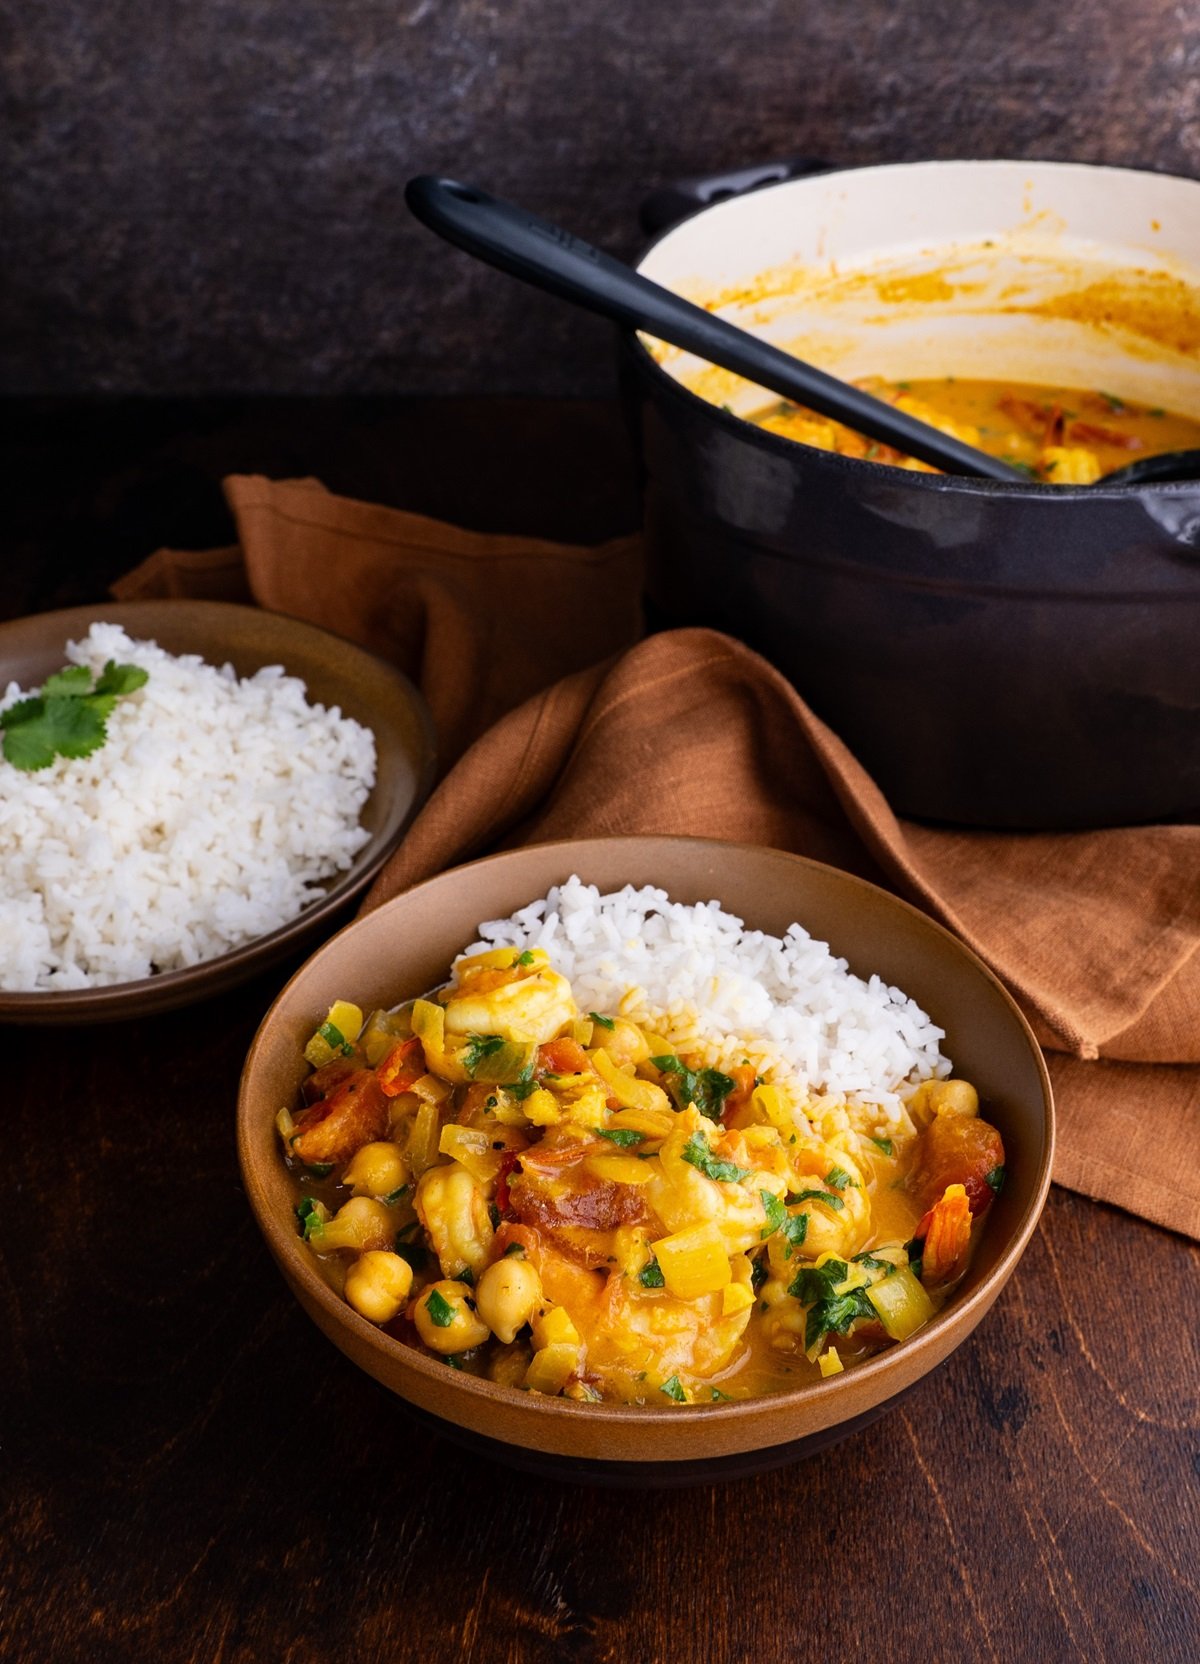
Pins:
x: 405, y: 947
x: 336, y: 673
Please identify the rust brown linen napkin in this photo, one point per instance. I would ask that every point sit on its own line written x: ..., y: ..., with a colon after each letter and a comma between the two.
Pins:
x: 1097, y: 934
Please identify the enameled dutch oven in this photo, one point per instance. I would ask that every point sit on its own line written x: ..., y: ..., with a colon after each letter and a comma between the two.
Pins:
x: 1014, y: 656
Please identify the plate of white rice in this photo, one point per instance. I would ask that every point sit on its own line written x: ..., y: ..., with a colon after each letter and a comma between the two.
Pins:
x: 253, y: 785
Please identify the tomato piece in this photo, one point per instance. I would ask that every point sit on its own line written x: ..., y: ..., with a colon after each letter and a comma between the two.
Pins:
x: 956, y: 1149
x: 354, y: 1114
x: 401, y: 1068
x: 562, y: 1057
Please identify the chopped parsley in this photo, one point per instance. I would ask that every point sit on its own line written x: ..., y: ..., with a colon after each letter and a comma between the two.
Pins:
x: 718, y: 1396
x: 394, y: 1196
x: 494, y: 1215
x: 624, y: 1136
x: 674, y: 1389
x: 478, y: 1047
x: 69, y: 717
x: 601, y: 1022
x: 874, y: 1263
x: 826, y: 1196
x: 319, y: 1169
x: 837, y: 1178
x: 697, y: 1152
x: 650, y: 1276
x: 522, y: 960
x: 441, y: 1312
x: 758, y: 1275
x: 884, y: 1144
x: 513, y: 1248
x: 706, y: 1088
x: 776, y: 1214
x: 466, y: 1275
x: 915, y: 1249
x: 453, y: 1359
x: 995, y: 1179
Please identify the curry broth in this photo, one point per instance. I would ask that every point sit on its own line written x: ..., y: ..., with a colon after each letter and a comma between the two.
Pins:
x: 1058, y: 435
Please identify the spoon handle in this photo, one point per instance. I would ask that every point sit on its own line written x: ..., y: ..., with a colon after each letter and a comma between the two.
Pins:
x: 550, y: 258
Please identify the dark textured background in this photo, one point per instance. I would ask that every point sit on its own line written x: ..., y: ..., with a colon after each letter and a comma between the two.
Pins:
x: 206, y: 196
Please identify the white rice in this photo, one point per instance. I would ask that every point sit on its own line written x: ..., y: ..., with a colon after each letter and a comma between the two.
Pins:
x: 214, y: 813
x: 847, y: 1049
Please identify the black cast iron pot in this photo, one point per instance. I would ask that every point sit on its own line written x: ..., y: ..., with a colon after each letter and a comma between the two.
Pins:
x: 996, y: 655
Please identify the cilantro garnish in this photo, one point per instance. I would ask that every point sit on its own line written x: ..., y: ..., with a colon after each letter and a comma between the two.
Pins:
x: 312, y: 1216
x: 884, y: 1144
x: 830, y: 1313
x: 915, y: 1249
x: 718, y: 1396
x: 874, y: 1263
x: 698, y: 1153
x: 523, y: 959
x: 674, y: 1389
x: 758, y: 1275
x: 650, y: 1276
x: 837, y: 1178
x: 319, y: 1169
x: 478, y: 1047
x: 69, y: 717
x: 706, y: 1088
x: 795, y: 1229
x: 393, y: 1196
x: 513, y: 1248
x: 826, y: 1196
x: 521, y: 1089
x: 453, y: 1359
x: 995, y: 1179
x: 441, y: 1312
x: 335, y: 1039
x: 624, y: 1136
x: 414, y: 1254
x: 601, y: 1022
x: 776, y: 1214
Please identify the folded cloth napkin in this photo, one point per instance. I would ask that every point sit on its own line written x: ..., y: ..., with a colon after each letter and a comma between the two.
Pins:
x: 555, y: 721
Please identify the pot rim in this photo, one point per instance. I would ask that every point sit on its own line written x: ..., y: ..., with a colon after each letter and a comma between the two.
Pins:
x: 962, y: 484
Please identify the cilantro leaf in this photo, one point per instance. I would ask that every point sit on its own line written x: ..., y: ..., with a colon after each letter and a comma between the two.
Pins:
x: 698, y: 1153
x: 624, y: 1136
x: 312, y: 1216
x: 837, y: 1178
x: 884, y: 1144
x: 73, y: 679
x: 706, y: 1088
x: 776, y: 1214
x: 119, y: 679
x: 674, y: 1388
x: 67, y: 718
x: 874, y: 1263
x: 601, y: 1022
x: 441, y: 1312
x: 522, y: 960
x: 995, y: 1179
x: 826, y: 1196
x: 835, y: 1315
x: 335, y: 1039
x: 478, y: 1047
x: 795, y: 1229
x: 650, y: 1276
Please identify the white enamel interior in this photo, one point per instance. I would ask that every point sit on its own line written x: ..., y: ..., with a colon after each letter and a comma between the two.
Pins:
x: 802, y: 264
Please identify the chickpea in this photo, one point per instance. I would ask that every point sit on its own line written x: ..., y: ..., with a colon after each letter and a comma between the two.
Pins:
x: 376, y: 1170
x: 377, y: 1284
x: 954, y: 1097
x: 508, y: 1295
x: 452, y: 1325
x: 360, y: 1223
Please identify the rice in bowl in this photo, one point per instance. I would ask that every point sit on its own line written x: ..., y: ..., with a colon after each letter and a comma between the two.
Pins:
x: 214, y: 813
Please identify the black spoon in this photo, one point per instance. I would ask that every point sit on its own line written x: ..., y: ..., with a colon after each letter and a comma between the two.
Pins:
x: 551, y: 258
x: 1156, y: 470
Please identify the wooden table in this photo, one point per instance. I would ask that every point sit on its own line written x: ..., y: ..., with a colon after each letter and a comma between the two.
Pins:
x: 191, y: 1472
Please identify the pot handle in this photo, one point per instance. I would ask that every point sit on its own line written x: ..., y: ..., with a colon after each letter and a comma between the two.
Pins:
x: 669, y: 203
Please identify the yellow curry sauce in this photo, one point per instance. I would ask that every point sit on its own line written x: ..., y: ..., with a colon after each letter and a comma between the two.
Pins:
x: 560, y: 1202
x: 1061, y: 436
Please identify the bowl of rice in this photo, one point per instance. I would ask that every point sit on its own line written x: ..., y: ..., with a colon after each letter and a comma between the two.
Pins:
x: 833, y: 988
x: 254, y: 782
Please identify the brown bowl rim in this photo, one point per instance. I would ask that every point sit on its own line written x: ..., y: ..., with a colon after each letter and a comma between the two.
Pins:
x: 180, y: 987
x: 287, y: 1248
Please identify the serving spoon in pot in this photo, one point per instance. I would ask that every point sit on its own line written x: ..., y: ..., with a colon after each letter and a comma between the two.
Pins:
x: 552, y: 259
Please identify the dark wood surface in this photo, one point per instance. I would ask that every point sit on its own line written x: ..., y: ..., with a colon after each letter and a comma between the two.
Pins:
x: 189, y: 1471
x: 208, y: 197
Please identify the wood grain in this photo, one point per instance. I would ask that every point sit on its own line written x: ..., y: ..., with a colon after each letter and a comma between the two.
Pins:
x: 191, y: 1474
